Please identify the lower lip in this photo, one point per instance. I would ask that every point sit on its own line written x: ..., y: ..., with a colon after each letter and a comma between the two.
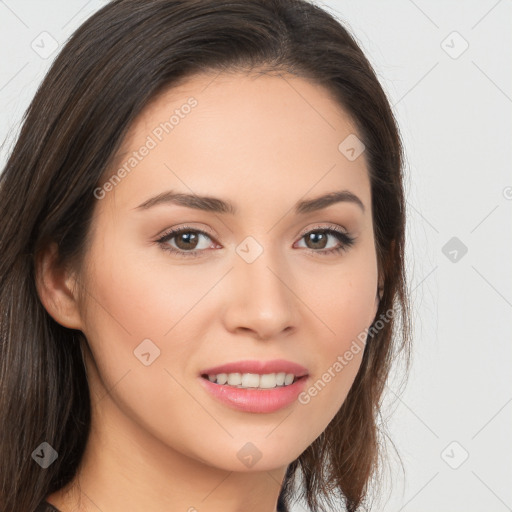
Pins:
x: 255, y: 400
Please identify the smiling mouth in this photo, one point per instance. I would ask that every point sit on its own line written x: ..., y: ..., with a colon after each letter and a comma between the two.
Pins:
x: 254, y: 380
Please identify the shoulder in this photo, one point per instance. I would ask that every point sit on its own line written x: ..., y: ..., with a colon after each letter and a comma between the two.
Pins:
x: 44, y: 506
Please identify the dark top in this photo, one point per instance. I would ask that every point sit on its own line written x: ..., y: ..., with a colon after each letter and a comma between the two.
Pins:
x: 44, y: 506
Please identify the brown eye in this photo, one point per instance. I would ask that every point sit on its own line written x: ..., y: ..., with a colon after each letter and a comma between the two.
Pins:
x: 318, y: 239
x: 186, y: 241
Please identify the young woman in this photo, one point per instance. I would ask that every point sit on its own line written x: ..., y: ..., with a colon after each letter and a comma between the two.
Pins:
x: 202, y: 282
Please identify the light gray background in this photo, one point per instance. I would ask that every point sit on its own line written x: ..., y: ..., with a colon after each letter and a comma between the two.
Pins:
x: 454, y: 110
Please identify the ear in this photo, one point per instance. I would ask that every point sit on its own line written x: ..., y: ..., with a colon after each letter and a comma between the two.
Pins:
x: 56, y: 289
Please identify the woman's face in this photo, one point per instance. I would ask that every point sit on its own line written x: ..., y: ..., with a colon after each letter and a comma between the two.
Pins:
x: 261, y: 284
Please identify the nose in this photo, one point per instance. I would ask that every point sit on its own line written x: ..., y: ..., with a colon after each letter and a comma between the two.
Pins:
x: 261, y: 301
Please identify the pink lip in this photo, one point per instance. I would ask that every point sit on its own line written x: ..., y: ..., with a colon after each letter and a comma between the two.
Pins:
x: 259, y: 367
x: 255, y: 400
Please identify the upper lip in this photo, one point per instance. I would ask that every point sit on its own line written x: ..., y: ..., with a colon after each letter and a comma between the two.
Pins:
x: 259, y: 367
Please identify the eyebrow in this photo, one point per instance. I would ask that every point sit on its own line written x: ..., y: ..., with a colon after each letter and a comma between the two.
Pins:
x: 213, y: 204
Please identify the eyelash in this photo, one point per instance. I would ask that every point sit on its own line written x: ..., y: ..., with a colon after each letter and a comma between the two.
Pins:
x: 346, y: 240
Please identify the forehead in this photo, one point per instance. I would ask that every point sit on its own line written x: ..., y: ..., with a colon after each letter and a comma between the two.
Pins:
x: 238, y: 135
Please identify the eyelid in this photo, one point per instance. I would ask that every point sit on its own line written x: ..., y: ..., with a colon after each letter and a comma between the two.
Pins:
x: 167, y: 231
x: 321, y: 226
x: 347, y: 240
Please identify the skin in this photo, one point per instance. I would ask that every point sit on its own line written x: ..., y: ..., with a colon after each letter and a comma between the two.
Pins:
x: 159, y: 441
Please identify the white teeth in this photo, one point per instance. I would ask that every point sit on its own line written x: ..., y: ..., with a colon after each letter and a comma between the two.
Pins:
x: 250, y: 380
x: 280, y: 378
x: 267, y: 381
x: 234, y: 379
x: 288, y: 379
x: 253, y: 380
x: 222, y: 378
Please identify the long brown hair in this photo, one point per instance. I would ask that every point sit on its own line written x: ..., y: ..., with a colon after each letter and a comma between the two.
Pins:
x: 109, y: 70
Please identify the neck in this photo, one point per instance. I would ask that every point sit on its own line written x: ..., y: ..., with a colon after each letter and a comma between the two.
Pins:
x: 125, y: 468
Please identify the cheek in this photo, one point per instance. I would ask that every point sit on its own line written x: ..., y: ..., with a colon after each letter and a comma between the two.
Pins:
x: 342, y: 299
x: 141, y: 295
x: 129, y: 305
x: 344, y: 307
x: 130, y: 301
